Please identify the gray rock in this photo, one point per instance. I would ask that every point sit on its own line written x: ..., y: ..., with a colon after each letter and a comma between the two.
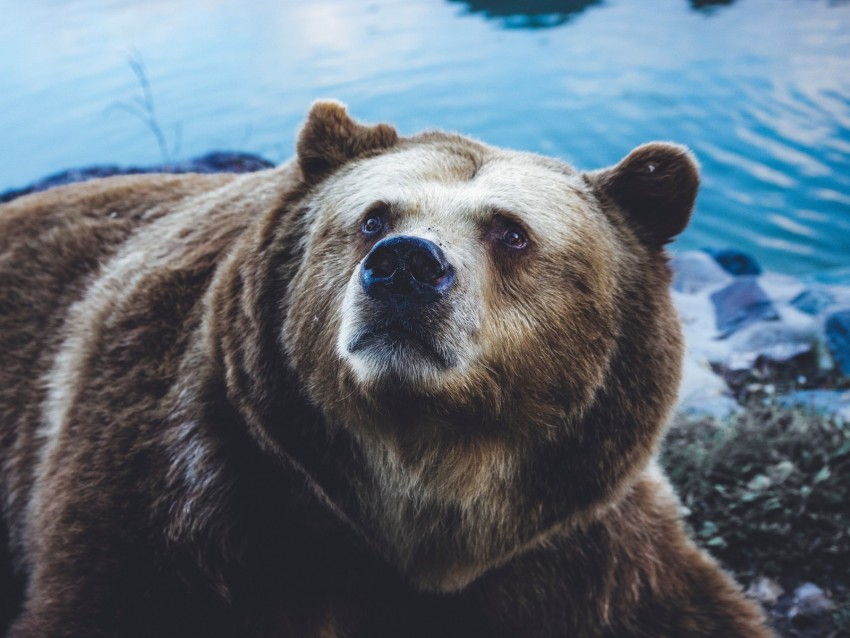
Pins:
x: 810, y: 602
x: 735, y: 262
x: 741, y: 303
x: 835, y: 402
x: 813, y: 301
x: 214, y: 162
x: 694, y: 271
x: 765, y: 591
x: 703, y: 393
x: 779, y: 350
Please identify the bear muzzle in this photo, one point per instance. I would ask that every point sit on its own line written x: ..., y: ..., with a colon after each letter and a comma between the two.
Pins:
x: 405, y: 273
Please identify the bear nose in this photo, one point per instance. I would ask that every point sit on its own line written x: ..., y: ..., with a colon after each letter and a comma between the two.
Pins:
x: 406, y: 271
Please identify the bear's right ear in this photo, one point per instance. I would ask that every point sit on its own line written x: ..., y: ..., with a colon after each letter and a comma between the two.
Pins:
x: 330, y: 138
x: 656, y: 186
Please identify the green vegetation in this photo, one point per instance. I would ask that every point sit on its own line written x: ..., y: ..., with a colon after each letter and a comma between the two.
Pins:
x: 768, y: 494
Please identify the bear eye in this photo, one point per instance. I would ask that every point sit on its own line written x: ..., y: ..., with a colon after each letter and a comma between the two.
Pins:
x: 372, y: 226
x: 514, y: 237
x: 374, y: 219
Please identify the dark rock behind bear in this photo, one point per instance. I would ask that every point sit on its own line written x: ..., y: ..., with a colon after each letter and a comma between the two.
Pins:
x: 214, y: 162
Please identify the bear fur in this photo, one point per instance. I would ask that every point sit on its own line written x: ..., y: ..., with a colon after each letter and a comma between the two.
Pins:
x: 209, y: 428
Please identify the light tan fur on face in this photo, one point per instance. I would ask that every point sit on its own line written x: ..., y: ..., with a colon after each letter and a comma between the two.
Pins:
x: 449, y: 200
x: 494, y: 323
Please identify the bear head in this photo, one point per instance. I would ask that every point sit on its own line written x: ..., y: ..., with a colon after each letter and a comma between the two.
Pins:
x: 485, y: 337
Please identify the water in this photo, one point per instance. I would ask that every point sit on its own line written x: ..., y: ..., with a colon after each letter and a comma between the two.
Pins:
x: 759, y: 89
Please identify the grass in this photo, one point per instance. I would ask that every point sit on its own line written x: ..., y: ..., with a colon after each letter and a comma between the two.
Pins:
x: 768, y: 494
x: 143, y: 107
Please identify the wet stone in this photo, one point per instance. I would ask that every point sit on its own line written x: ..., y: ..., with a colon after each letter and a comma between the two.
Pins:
x: 694, y: 271
x: 214, y: 162
x: 810, y: 604
x: 827, y: 402
x: 735, y: 262
x: 765, y: 591
x: 740, y: 304
x: 837, y: 336
x: 776, y: 349
x: 813, y: 301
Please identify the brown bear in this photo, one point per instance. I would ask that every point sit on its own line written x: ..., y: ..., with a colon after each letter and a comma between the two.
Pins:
x: 395, y: 387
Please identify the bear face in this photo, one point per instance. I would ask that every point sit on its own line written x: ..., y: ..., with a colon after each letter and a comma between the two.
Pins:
x: 513, y: 241
x: 491, y: 329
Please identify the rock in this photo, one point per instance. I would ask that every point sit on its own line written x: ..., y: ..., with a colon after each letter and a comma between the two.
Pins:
x: 780, y: 288
x: 776, y: 342
x: 835, y: 402
x: 813, y: 301
x: 735, y: 262
x: 694, y: 271
x: 703, y: 393
x: 778, y: 350
x: 810, y: 604
x: 218, y: 162
x: 765, y: 591
x: 215, y: 162
x: 837, y: 336
x: 741, y: 303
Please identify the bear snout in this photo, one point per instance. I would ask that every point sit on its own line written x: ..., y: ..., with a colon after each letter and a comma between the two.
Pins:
x: 406, y: 273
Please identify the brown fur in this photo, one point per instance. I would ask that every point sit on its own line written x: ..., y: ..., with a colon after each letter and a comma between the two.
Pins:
x: 189, y: 446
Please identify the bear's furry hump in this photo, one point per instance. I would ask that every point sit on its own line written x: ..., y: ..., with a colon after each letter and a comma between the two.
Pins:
x: 395, y: 387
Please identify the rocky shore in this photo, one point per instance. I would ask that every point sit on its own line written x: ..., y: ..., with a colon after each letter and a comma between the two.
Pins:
x: 759, y: 335
x: 760, y: 343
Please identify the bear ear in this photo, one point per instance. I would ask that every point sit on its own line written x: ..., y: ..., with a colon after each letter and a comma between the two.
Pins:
x: 330, y: 138
x: 655, y: 185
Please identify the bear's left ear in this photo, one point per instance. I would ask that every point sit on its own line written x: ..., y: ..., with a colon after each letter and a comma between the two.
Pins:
x: 330, y: 138
x: 655, y: 185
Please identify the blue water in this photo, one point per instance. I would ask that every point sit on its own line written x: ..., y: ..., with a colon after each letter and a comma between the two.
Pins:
x: 759, y: 89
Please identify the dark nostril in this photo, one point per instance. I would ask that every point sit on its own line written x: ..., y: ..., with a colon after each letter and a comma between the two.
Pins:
x: 382, y: 263
x: 425, y: 267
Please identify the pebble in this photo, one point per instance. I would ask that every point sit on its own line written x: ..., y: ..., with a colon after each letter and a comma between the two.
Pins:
x: 735, y: 262
x: 782, y: 347
x: 810, y: 602
x: 765, y: 590
x: 813, y: 301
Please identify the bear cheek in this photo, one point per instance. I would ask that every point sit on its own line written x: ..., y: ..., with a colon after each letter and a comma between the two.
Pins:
x: 550, y: 370
x: 313, y: 320
x: 549, y: 332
